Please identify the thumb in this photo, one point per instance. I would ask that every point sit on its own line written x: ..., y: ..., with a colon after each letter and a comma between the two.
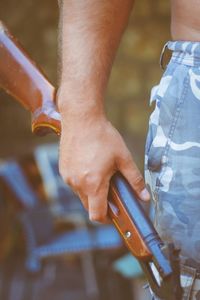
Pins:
x: 131, y: 172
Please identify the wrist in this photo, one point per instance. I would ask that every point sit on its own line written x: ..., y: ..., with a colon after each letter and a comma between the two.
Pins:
x: 79, y: 102
x: 73, y: 117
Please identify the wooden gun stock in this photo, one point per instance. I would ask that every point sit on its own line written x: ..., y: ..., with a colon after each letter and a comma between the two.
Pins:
x: 20, y: 77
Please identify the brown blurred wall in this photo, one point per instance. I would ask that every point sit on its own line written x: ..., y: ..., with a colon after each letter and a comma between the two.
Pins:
x: 136, y: 69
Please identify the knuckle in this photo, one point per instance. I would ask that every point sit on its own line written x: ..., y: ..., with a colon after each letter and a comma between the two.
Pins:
x: 138, y: 182
x: 70, y: 177
x: 68, y: 180
x: 138, y: 179
x: 67, y: 177
x: 92, y: 180
x: 81, y: 180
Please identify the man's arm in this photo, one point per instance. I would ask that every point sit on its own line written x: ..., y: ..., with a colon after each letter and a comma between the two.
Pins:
x: 91, y: 150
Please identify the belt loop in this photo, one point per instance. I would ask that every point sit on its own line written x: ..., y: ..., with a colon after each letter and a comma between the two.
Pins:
x: 162, y: 56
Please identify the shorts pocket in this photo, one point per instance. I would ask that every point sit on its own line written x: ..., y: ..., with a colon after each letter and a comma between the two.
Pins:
x: 164, y: 120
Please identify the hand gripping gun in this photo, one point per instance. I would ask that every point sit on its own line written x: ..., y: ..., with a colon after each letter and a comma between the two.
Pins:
x: 20, y: 77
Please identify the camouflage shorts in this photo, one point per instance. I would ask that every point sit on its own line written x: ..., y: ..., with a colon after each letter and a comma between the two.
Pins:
x: 172, y: 154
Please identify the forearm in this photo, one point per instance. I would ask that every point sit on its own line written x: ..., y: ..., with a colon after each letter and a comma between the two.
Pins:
x: 91, y: 149
x: 90, y: 32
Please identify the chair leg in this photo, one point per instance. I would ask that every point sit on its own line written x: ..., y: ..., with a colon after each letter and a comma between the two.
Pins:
x: 89, y: 274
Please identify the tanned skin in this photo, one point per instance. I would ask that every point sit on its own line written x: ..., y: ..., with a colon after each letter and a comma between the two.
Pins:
x: 185, y: 20
x: 91, y: 149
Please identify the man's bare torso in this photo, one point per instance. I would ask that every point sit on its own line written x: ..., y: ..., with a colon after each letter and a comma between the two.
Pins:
x: 185, y: 23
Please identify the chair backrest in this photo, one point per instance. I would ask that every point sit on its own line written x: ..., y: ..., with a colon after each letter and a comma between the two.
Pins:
x: 46, y: 157
x: 12, y: 174
x: 38, y: 225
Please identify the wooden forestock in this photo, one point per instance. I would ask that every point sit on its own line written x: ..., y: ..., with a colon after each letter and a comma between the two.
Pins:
x: 20, y: 77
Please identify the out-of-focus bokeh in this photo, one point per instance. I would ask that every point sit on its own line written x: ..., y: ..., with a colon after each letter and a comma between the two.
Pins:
x: 136, y: 70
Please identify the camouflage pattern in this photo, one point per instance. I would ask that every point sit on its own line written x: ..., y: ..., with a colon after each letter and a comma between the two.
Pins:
x: 172, y: 156
x: 189, y: 282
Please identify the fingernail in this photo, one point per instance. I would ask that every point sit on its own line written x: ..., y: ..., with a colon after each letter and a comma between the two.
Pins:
x: 144, y: 195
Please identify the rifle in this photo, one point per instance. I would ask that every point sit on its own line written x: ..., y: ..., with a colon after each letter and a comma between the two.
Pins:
x: 20, y: 77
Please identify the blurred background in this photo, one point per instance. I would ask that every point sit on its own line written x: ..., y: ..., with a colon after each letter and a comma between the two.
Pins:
x: 37, y: 256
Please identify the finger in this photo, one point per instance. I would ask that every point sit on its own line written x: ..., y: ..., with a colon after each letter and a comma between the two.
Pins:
x: 131, y: 172
x: 98, y: 205
x: 72, y: 182
x: 84, y: 199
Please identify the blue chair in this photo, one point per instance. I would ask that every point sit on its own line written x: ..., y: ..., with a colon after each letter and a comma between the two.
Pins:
x: 43, y: 241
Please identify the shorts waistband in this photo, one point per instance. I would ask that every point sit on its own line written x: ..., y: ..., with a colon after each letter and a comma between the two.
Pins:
x: 183, y: 52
